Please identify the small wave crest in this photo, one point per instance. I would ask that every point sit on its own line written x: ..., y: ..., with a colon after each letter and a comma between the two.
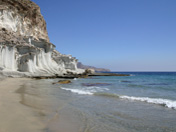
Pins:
x: 132, y: 75
x: 86, y: 90
x: 164, y: 102
x: 159, y: 101
x: 78, y: 91
x: 96, y: 89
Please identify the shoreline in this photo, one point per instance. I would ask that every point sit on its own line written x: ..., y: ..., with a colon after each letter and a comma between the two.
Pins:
x: 36, y: 105
x: 72, y: 76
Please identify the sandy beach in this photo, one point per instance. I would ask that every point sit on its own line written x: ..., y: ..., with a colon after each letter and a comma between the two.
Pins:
x: 38, y: 105
x: 27, y: 105
x: 14, y: 115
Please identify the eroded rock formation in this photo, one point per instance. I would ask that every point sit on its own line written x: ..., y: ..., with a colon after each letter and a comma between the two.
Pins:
x: 25, y: 49
x: 23, y: 17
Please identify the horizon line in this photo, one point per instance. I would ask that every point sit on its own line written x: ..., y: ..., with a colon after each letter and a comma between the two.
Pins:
x: 142, y: 71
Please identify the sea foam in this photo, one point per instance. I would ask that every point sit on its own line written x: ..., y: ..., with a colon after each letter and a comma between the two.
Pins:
x: 78, y: 91
x: 159, y: 101
x: 165, y: 102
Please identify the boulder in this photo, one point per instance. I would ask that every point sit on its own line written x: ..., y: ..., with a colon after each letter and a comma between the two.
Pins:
x: 89, y: 71
x: 64, y: 81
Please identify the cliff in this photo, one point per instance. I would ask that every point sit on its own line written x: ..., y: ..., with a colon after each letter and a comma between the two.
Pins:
x: 25, y: 49
x: 81, y: 66
x: 23, y: 17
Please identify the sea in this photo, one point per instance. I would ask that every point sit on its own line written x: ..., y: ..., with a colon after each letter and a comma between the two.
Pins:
x: 141, y: 102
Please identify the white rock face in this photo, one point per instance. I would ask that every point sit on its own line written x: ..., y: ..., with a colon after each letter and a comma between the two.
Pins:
x: 25, y: 49
x: 7, y: 58
x: 36, y: 61
x: 14, y: 22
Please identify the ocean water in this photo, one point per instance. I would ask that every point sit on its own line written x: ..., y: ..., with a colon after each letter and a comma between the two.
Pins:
x: 142, y: 102
x: 151, y: 87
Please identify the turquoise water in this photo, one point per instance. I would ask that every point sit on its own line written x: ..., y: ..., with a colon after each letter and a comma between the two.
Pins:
x: 142, y: 102
x: 152, y: 87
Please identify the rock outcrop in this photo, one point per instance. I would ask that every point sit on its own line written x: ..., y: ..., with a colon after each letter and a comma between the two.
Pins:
x: 25, y: 49
x: 24, y: 18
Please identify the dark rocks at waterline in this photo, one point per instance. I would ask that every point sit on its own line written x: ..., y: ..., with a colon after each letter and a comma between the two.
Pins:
x: 62, y: 82
x: 43, y: 77
x: 54, y: 77
x: 86, y: 74
x: 108, y: 74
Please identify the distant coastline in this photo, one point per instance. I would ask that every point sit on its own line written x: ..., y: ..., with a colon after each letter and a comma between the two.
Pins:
x: 82, y: 66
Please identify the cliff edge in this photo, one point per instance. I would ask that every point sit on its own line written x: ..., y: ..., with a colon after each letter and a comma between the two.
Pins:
x: 25, y: 49
x: 24, y: 18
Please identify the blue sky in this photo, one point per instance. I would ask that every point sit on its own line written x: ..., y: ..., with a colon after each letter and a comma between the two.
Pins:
x: 122, y: 35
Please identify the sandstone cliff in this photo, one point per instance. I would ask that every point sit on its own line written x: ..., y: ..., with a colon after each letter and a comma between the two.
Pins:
x: 23, y: 17
x: 25, y: 49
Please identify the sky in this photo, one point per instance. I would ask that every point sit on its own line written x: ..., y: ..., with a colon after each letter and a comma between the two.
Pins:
x: 121, y: 35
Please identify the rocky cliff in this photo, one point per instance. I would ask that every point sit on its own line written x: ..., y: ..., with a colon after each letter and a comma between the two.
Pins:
x: 25, y: 49
x: 23, y: 17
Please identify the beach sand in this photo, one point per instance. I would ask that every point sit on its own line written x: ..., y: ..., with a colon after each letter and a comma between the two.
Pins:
x: 36, y: 105
x: 27, y: 105
x: 14, y: 115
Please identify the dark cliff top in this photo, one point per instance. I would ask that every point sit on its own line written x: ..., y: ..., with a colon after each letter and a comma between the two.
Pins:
x: 28, y: 10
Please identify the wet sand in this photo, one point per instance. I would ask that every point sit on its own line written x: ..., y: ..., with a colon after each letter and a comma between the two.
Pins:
x: 14, y: 115
x: 29, y: 105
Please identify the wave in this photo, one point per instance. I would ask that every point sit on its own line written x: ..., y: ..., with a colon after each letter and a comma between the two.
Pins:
x: 86, y: 90
x: 96, y: 89
x: 159, y: 101
x: 164, y: 102
x: 78, y: 91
